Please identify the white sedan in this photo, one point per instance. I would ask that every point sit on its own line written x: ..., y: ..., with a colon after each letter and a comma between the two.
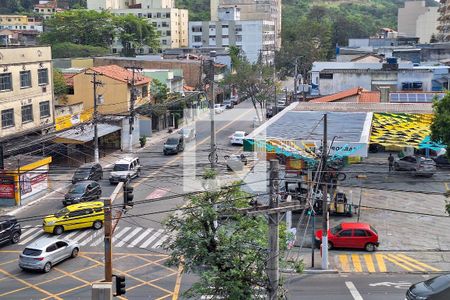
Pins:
x: 237, y: 138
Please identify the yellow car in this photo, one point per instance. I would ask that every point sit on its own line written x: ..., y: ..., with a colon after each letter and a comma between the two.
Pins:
x: 76, y: 216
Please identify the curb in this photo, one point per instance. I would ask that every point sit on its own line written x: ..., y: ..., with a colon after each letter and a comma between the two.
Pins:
x: 318, y: 271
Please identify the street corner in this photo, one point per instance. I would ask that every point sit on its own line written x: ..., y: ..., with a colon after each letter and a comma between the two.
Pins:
x: 384, y: 262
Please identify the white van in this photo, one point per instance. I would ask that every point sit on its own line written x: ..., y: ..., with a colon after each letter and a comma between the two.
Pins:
x: 125, y: 169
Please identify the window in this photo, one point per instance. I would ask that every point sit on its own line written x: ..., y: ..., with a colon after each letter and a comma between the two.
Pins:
x: 164, y: 24
x: 224, y: 36
x: 164, y: 42
x: 61, y: 244
x: 51, y: 248
x: 25, y: 79
x: 149, y: 15
x: 326, y: 75
x: 158, y: 15
x: 76, y: 213
x: 197, y: 38
x: 42, y: 76
x: 144, y: 91
x: 359, y: 232
x: 44, y: 108
x: 212, y: 27
x: 168, y: 32
x: 27, y: 113
x: 196, y: 29
x: 345, y: 233
x: 224, y: 26
x: 5, y: 82
x: 7, y: 118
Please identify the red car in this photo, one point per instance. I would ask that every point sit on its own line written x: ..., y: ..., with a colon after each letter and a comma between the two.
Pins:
x: 351, y: 235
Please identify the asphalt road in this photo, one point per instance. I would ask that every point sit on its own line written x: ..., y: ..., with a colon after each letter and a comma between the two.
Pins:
x: 139, y: 235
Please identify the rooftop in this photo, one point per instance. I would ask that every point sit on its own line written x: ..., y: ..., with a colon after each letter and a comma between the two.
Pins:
x: 119, y: 73
x: 419, y: 108
x: 356, y: 94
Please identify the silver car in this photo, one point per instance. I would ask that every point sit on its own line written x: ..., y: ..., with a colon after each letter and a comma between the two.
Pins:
x: 44, y: 253
x: 417, y: 165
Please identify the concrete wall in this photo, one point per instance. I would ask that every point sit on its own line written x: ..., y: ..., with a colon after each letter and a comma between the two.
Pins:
x: 407, y: 17
x: 344, y: 81
x: 426, y: 25
x: 425, y: 77
x: 13, y: 61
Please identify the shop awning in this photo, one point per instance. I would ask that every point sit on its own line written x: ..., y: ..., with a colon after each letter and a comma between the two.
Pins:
x: 84, y: 133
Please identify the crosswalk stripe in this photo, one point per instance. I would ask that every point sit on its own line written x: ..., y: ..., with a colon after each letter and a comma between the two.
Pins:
x: 82, y: 235
x: 92, y: 237
x: 404, y: 261
x: 140, y: 237
x: 160, y: 241
x: 32, y: 236
x: 128, y: 237
x: 397, y: 263
x: 356, y: 263
x: 69, y: 235
x: 27, y: 232
x: 100, y: 240
x: 152, y: 238
x: 418, y: 262
x: 380, y: 262
x: 119, y: 234
x: 369, y: 263
x: 343, y: 259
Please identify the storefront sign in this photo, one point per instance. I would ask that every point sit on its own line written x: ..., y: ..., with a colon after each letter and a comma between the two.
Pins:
x: 33, y: 181
x: 7, y: 187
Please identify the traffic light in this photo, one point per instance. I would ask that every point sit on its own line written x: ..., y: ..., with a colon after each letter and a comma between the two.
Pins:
x: 127, y: 195
x: 120, y: 285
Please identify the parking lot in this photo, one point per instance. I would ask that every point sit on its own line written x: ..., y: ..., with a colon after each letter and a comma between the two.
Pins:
x: 146, y: 277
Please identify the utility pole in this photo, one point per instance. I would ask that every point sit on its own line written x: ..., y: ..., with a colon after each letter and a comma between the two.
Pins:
x: 133, y: 96
x: 273, y: 261
x: 95, y: 83
x: 212, y: 110
x: 295, y: 79
x: 108, y: 240
x: 313, y: 214
x: 325, y: 197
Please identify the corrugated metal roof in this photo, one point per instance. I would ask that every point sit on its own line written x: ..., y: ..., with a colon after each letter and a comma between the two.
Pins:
x: 85, y: 133
x: 420, y: 108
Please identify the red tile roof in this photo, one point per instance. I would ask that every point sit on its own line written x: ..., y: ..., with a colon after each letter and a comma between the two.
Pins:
x: 369, y: 97
x: 188, y: 88
x: 68, y: 77
x: 338, y: 96
x: 120, y: 74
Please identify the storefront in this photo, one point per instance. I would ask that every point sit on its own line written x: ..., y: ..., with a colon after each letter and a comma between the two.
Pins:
x: 23, y: 177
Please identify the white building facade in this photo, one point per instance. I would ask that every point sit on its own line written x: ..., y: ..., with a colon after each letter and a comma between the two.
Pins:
x: 416, y: 19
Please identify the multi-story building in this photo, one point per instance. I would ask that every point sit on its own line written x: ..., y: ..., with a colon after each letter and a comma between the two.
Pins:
x: 256, y: 38
x: 416, y: 19
x: 46, y: 8
x: 444, y: 21
x: 18, y: 22
x: 170, y: 22
x: 26, y: 91
x: 268, y: 10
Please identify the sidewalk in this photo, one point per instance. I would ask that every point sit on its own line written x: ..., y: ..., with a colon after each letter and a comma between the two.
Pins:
x: 305, y: 255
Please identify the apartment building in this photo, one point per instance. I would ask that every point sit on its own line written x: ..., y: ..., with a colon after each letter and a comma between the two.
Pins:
x: 256, y: 38
x: 46, y: 8
x: 26, y: 91
x: 250, y: 10
x: 170, y: 22
x: 416, y: 19
x: 19, y: 22
x: 444, y: 21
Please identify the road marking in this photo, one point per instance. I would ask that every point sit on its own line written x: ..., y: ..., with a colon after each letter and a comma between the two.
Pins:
x: 369, y: 263
x: 102, y: 238
x: 356, y: 263
x: 176, y: 290
x: 351, y: 287
x: 118, y: 235
x: 128, y: 237
x: 160, y: 241
x: 32, y: 236
x: 27, y: 232
x: 418, y: 262
x: 344, y: 263
x: 397, y: 263
x: 380, y: 262
x: 140, y: 237
x: 92, y: 237
x: 82, y: 235
x: 152, y: 238
x: 70, y: 235
x: 158, y: 193
x: 404, y: 261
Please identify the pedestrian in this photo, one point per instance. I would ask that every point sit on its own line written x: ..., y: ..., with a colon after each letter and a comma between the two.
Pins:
x: 391, y: 161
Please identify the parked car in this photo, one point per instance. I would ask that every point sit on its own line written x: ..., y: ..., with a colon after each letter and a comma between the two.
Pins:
x: 442, y: 161
x: 187, y: 133
x: 174, y: 145
x: 218, y: 109
x: 235, y: 99
x: 436, y: 288
x: 237, y: 138
x: 351, y: 235
x: 82, y: 191
x: 228, y: 104
x: 45, y: 253
x: 10, y: 230
x: 418, y: 165
x: 125, y: 169
x: 75, y: 216
x: 90, y: 171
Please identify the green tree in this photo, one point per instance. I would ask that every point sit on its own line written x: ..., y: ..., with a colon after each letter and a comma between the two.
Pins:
x: 228, y: 254
x: 134, y: 32
x: 66, y: 50
x: 80, y: 26
x: 440, y: 127
x: 60, y: 87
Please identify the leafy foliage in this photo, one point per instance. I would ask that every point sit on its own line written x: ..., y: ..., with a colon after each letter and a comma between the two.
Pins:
x: 66, y: 50
x: 198, y: 9
x: 440, y: 128
x: 59, y: 84
x: 228, y: 255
